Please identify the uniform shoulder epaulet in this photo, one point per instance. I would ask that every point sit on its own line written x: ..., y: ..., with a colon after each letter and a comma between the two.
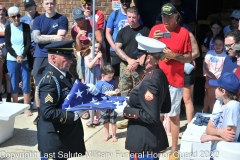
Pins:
x: 47, y: 79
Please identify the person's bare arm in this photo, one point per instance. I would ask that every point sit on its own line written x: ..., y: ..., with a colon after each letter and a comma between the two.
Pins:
x: 195, y: 48
x: 90, y: 64
x: 207, y: 138
x: 99, y: 37
x: 120, y: 52
x: 109, y: 37
x: 183, y: 58
x: 132, y: 63
x: 228, y: 134
x: 206, y: 69
x: 43, y: 39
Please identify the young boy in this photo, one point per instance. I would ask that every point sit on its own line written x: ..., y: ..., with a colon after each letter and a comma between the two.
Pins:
x: 224, y: 124
x: 105, y: 85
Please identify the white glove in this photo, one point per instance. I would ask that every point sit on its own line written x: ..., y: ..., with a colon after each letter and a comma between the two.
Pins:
x: 92, y: 89
x: 78, y: 114
x: 119, y: 109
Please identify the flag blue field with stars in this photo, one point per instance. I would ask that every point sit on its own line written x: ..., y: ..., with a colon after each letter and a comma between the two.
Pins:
x: 80, y: 99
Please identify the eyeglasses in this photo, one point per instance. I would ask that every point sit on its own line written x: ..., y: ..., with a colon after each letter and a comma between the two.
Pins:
x: 87, y: 4
x: 229, y: 45
x: 235, y: 19
x: 18, y: 16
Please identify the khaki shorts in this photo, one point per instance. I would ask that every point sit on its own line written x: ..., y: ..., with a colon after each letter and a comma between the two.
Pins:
x: 176, y: 98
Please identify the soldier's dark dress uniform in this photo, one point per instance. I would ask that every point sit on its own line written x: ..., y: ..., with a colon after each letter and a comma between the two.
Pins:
x: 145, y: 132
x: 58, y: 134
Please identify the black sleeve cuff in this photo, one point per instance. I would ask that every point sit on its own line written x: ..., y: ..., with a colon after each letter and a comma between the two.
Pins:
x: 130, y: 113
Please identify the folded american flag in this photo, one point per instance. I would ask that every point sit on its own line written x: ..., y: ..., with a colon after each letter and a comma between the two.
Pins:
x: 80, y: 99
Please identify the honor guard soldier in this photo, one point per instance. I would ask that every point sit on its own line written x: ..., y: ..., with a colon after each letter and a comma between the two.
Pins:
x: 146, y: 136
x: 59, y: 132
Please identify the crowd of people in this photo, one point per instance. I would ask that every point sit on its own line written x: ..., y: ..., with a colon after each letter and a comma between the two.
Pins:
x: 147, y: 64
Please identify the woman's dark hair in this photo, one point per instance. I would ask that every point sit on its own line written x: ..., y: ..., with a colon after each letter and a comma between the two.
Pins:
x: 219, y: 37
x: 107, y: 69
x: 209, y: 34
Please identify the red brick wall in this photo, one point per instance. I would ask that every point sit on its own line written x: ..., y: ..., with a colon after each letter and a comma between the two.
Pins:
x: 63, y: 7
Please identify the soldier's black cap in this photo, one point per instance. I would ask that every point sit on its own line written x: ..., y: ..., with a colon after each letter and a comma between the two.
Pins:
x: 65, y: 48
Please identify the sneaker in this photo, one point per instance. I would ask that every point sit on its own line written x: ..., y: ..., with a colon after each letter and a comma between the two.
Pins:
x: 173, y: 155
x: 35, y: 122
x: 123, y: 124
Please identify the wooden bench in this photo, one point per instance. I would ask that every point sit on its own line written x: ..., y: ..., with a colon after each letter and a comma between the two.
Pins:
x: 8, y: 112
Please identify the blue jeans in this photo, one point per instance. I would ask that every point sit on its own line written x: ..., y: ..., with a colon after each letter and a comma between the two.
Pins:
x: 15, y: 70
x: 142, y: 156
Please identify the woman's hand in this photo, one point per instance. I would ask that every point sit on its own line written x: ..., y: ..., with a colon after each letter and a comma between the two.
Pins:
x: 19, y: 59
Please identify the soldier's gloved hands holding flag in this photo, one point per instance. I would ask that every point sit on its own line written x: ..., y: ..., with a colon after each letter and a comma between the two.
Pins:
x: 92, y: 89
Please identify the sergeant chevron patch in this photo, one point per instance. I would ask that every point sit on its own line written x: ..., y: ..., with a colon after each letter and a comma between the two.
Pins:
x: 148, y: 96
x: 49, y: 98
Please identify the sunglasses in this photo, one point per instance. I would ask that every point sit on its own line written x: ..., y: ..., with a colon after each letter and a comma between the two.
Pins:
x: 18, y: 16
x: 235, y: 19
x: 87, y: 4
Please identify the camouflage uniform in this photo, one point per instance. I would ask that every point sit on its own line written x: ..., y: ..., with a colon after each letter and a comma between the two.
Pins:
x: 126, y: 80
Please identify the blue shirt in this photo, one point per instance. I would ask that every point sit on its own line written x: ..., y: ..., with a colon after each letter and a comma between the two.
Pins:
x: 104, y: 86
x: 16, y: 41
x: 230, y: 64
x: 48, y: 26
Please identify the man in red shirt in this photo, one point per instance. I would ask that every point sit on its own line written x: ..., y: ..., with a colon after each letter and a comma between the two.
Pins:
x: 178, y: 52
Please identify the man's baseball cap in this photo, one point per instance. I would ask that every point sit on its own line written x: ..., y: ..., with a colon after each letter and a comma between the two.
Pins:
x: 228, y: 81
x: 29, y: 2
x: 236, y: 14
x: 168, y: 9
x: 78, y: 13
x: 84, y: 40
x: 86, y: 1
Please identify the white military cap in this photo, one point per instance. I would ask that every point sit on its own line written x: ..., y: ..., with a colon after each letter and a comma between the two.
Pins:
x: 148, y: 45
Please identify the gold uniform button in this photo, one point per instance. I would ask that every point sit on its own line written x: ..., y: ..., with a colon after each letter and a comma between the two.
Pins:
x: 57, y: 131
x: 129, y: 114
x: 124, y: 114
x: 134, y: 115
